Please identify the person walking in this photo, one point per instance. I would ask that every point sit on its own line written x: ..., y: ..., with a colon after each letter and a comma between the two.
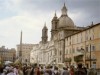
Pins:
x: 56, y: 72
x: 48, y: 71
x: 29, y: 70
x: 65, y: 71
x: 32, y: 71
x: 80, y: 70
x: 37, y: 71
x: 71, y: 70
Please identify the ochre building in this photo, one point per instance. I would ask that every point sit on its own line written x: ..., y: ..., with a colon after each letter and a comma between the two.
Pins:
x: 84, y: 47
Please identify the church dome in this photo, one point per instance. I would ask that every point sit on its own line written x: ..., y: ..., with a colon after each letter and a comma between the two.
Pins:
x: 64, y: 20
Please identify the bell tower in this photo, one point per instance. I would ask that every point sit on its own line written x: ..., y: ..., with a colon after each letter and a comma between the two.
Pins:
x: 44, y: 34
x: 54, y: 25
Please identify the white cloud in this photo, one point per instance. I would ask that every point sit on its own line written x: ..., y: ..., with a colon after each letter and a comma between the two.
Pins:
x: 30, y: 18
x: 29, y: 23
x: 10, y: 4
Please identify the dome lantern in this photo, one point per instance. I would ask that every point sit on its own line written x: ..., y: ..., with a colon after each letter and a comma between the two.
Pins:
x: 64, y: 20
x: 64, y: 10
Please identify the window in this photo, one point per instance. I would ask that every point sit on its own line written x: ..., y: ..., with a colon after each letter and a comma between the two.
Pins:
x: 93, y: 48
x: 66, y: 51
x: 87, y: 48
x: 70, y: 40
x: 60, y: 52
x: 94, y: 65
x: 77, y: 49
x: 93, y: 37
x: 55, y: 52
x: 90, y: 38
x: 73, y: 50
x: 70, y: 51
x: 60, y: 58
x: 81, y: 37
x: 90, y: 48
x: 86, y: 36
x: 51, y: 53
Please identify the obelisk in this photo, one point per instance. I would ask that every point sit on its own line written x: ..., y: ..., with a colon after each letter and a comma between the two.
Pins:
x: 20, y: 52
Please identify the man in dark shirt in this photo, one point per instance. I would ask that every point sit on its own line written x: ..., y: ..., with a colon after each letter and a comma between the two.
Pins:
x: 80, y: 70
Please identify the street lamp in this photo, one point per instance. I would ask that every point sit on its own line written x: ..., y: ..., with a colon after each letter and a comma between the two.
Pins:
x: 84, y: 55
x: 90, y: 56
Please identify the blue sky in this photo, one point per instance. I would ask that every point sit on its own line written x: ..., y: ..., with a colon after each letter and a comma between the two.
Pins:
x: 30, y: 16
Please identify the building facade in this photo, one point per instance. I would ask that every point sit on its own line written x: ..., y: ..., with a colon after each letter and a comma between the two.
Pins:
x: 53, y: 51
x: 7, y: 54
x: 84, y: 47
x: 43, y: 53
x: 69, y: 44
x: 25, y: 52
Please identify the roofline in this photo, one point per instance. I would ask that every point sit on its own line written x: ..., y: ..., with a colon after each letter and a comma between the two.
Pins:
x: 88, y: 27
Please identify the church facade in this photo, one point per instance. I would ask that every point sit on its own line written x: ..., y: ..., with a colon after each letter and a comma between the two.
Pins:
x: 69, y: 44
x: 53, y: 51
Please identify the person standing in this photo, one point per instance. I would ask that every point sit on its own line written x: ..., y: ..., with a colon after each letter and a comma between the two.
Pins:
x: 11, y: 72
x: 92, y: 71
x: 20, y: 71
x: 4, y: 72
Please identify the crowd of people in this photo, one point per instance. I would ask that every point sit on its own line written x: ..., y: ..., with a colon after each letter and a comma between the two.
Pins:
x: 45, y: 70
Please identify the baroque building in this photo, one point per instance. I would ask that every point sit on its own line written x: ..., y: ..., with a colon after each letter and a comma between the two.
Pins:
x: 69, y: 44
x: 47, y: 52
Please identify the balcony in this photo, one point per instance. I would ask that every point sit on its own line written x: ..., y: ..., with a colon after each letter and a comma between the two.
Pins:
x: 79, y: 52
x: 78, y: 58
